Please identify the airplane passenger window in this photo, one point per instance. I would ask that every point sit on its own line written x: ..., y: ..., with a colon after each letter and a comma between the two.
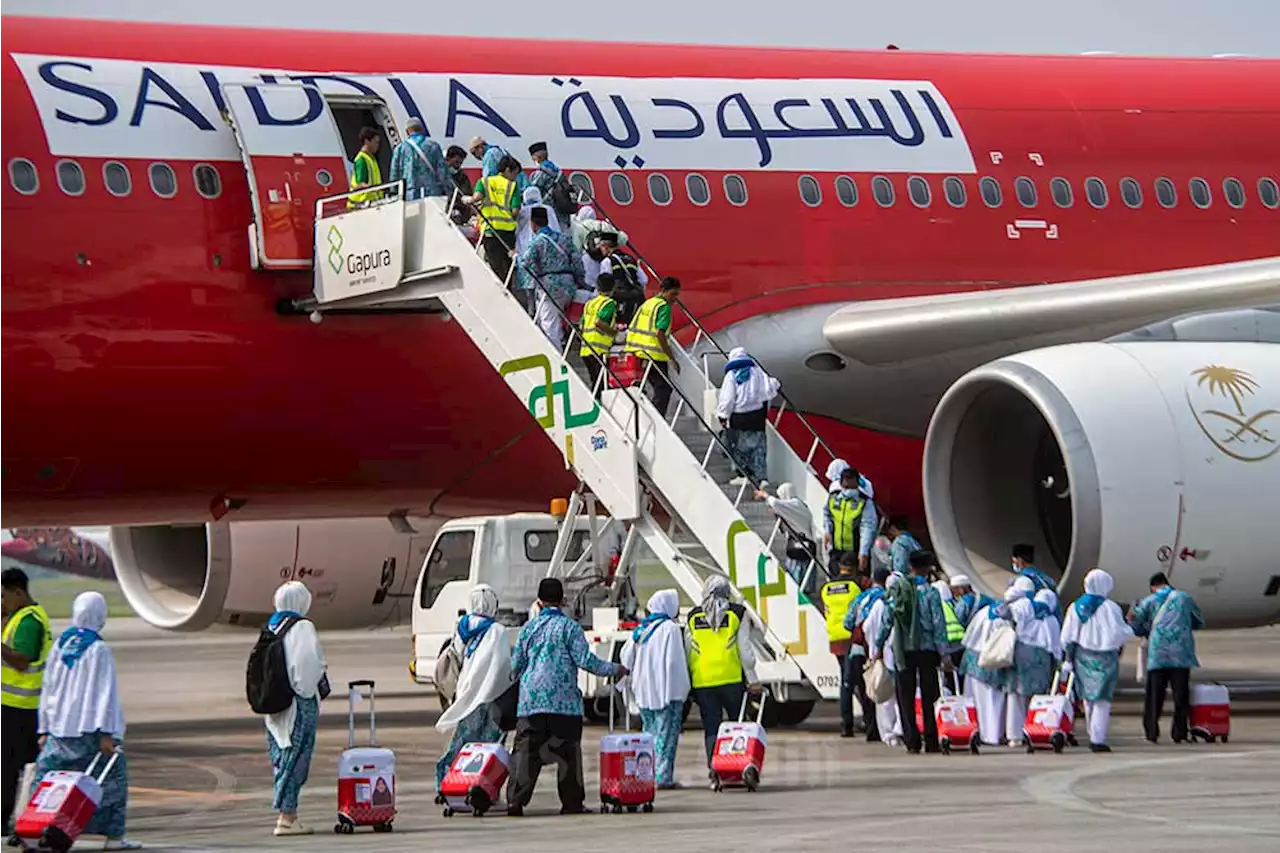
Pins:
x: 659, y: 189
x: 882, y: 189
x: 810, y: 192
x: 918, y: 189
x: 1166, y: 192
x: 1131, y: 192
x: 70, y: 177
x: 1060, y: 189
x: 586, y: 189
x: 1234, y: 191
x: 846, y: 190
x: 23, y: 176
x: 735, y: 189
x: 1025, y: 189
x: 450, y: 560
x: 957, y: 195
x: 324, y: 178
x: 117, y: 178
x: 697, y: 188
x: 620, y: 188
x: 1096, y: 191
x: 992, y: 195
x: 1269, y: 193
x: 1201, y: 196
x: 208, y: 181
x: 163, y: 182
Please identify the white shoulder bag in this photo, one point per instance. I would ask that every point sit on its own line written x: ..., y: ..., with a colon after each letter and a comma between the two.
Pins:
x: 997, y: 652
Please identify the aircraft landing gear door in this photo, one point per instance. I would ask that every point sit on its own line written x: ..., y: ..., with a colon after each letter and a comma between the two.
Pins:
x: 294, y: 156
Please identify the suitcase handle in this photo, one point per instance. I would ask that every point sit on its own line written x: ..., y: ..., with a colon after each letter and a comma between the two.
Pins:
x: 352, y: 692
x: 742, y: 712
x: 614, y: 689
x: 101, y: 777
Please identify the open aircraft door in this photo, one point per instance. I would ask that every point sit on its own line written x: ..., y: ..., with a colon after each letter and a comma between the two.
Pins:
x: 294, y: 156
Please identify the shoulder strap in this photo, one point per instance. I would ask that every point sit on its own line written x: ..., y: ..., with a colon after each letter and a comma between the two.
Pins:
x: 422, y: 155
x: 285, y: 627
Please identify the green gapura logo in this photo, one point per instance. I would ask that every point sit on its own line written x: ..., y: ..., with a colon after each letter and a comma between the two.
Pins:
x: 334, y: 238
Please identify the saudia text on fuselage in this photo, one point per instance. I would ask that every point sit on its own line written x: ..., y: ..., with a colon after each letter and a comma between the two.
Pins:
x: 112, y: 108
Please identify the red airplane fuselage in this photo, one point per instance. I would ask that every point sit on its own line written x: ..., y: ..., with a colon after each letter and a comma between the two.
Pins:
x: 148, y: 375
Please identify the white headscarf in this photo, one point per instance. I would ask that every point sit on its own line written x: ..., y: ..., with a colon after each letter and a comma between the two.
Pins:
x: 715, y: 599
x: 80, y: 694
x: 834, y: 472
x: 1023, y: 613
x: 659, y: 670
x: 979, y: 631
x: 1105, y: 629
x: 944, y: 589
x: 960, y: 580
x: 303, y: 657
x: 792, y: 510
x: 1051, y: 629
x: 749, y: 394
x: 524, y: 231
x: 486, y: 671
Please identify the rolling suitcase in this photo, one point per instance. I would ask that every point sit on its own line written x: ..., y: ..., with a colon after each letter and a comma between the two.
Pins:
x: 1210, y: 712
x: 1050, y: 723
x: 366, y: 774
x: 60, y: 809
x: 627, y: 760
x: 476, y: 778
x: 738, y: 756
x: 957, y: 718
x: 625, y: 370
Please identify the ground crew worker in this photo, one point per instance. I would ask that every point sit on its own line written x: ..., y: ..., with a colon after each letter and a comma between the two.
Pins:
x: 598, y: 328
x: 718, y: 644
x: 498, y: 201
x: 850, y: 521
x: 365, y: 171
x: 955, y: 632
x: 837, y: 595
x: 27, y: 640
x: 647, y: 338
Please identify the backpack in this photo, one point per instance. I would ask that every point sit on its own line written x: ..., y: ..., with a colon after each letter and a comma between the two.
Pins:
x: 448, y: 670
x: 266, y: 679
x: 626, y: 272
x: 560, y: 197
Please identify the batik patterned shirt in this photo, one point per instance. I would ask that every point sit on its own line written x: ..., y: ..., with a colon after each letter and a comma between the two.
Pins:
x: 420, y: 162
x: 550, y: 256
x: 548, y: 654
x: 1168, y: 618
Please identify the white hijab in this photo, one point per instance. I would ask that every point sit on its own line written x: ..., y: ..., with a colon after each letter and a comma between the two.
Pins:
x: 872, y: 624
x: 1023, y: 612
x: 944, y: 590
x: 836, y: 470
x: 303, y: 657
x: 80, y: 695
x: 715, y: 599
x: 1050, y: 628
x: 979, y: 631
x: 792, y: 510
x: 486, y: 672
x: 1105, y: 630
x: 751, y: 394
x: 659, y: 670
x: 524, y: 231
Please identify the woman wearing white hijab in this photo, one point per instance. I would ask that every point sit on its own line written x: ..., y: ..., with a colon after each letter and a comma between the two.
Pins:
x: 799, y: 520
x: 1032, y: 670
x: 80, y: 715
x: 658, y: 683
x: 870, y: 613
x: 1092, y: 636
x: 481, y: 643
x: 291, y: 734
x: 743, y: 410
x: 988, y: 687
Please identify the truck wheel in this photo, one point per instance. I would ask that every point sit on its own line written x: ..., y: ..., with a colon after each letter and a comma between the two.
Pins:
x: 793, y: 713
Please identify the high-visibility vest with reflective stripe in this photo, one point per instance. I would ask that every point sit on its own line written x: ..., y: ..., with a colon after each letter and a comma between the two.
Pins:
x: 642, y: 334
x: 713, y: 655
x: 845, y: 514
x: 496, y: 212
x: 836, y: 597
x: 374, y: 171
x: 955, y: 631
x: 22, y: 689
x: 594, y: 340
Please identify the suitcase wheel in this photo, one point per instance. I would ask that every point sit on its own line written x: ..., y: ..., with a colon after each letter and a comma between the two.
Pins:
x: 1071, y: 740
x: 647, y: 808
x: 448, y: 812
x: 751, y: 778
x: 440, y: 800
x: 617, y: 808
x: 604, y: 808
x: 974, y: 748
x: 945, y: 746
x: 633, y: 809
x: 1224, y: 738
x: 382, y: 827
x: 1059, y: 742
x: 1031, y: 747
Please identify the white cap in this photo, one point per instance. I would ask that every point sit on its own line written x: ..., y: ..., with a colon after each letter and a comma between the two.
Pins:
x: 960, y: 580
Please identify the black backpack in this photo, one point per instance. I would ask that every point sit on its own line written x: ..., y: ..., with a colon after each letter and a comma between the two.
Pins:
x: 266, y: 678
x: 560, y: 197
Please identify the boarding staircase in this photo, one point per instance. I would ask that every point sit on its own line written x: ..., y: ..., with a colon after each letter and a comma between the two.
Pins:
x: 667, y: 476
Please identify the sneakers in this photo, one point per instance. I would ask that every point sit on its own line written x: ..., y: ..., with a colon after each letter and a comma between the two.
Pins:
x: 122, y: 844
x: 738, y: 481
x: 294, y: 827
x: 1099, y: 747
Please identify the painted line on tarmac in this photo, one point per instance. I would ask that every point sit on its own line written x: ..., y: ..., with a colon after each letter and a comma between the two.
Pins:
x: 1055, y: 788
x: 179, y: 793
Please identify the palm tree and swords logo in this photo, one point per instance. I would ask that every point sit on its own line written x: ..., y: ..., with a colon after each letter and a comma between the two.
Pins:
x: 1248, y: 432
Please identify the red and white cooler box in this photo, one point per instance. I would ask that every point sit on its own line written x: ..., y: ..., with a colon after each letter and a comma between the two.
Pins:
x: 627, y: 762
x: 1050, y: 717
x: 475, y: 779
x: 1210, y: 712
x: 366, y: 774
x: 62, y: 806
x: 738, y: 757
x: 957, y: 718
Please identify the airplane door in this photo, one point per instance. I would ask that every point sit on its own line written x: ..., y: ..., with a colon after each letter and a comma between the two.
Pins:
x: 294, y: 156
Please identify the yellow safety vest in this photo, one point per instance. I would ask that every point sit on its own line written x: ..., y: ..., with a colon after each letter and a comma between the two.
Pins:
x: 713, y: 655
x: 845, y: 514
x: 22, y: 689
x: 955, y: 631
x: 642, y: 334
x: 375, y: 171
x: 496, y: 212
x: 594, y: 340
x: 836, y: 598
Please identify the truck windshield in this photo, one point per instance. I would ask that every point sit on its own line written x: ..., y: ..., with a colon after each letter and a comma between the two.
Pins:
x: 450, y: 560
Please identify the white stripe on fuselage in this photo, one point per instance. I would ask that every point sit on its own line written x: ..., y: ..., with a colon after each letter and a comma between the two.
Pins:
x: 130, y: 109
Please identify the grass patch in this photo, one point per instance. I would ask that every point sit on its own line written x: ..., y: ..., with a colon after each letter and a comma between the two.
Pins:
x: 56, y: 595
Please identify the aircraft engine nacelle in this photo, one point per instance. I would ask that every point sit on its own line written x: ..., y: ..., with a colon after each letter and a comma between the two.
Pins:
x: 1134, y: 457
x: 361, y: 571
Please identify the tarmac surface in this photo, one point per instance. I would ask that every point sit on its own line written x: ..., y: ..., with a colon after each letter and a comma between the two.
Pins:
x: 200, y: 778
